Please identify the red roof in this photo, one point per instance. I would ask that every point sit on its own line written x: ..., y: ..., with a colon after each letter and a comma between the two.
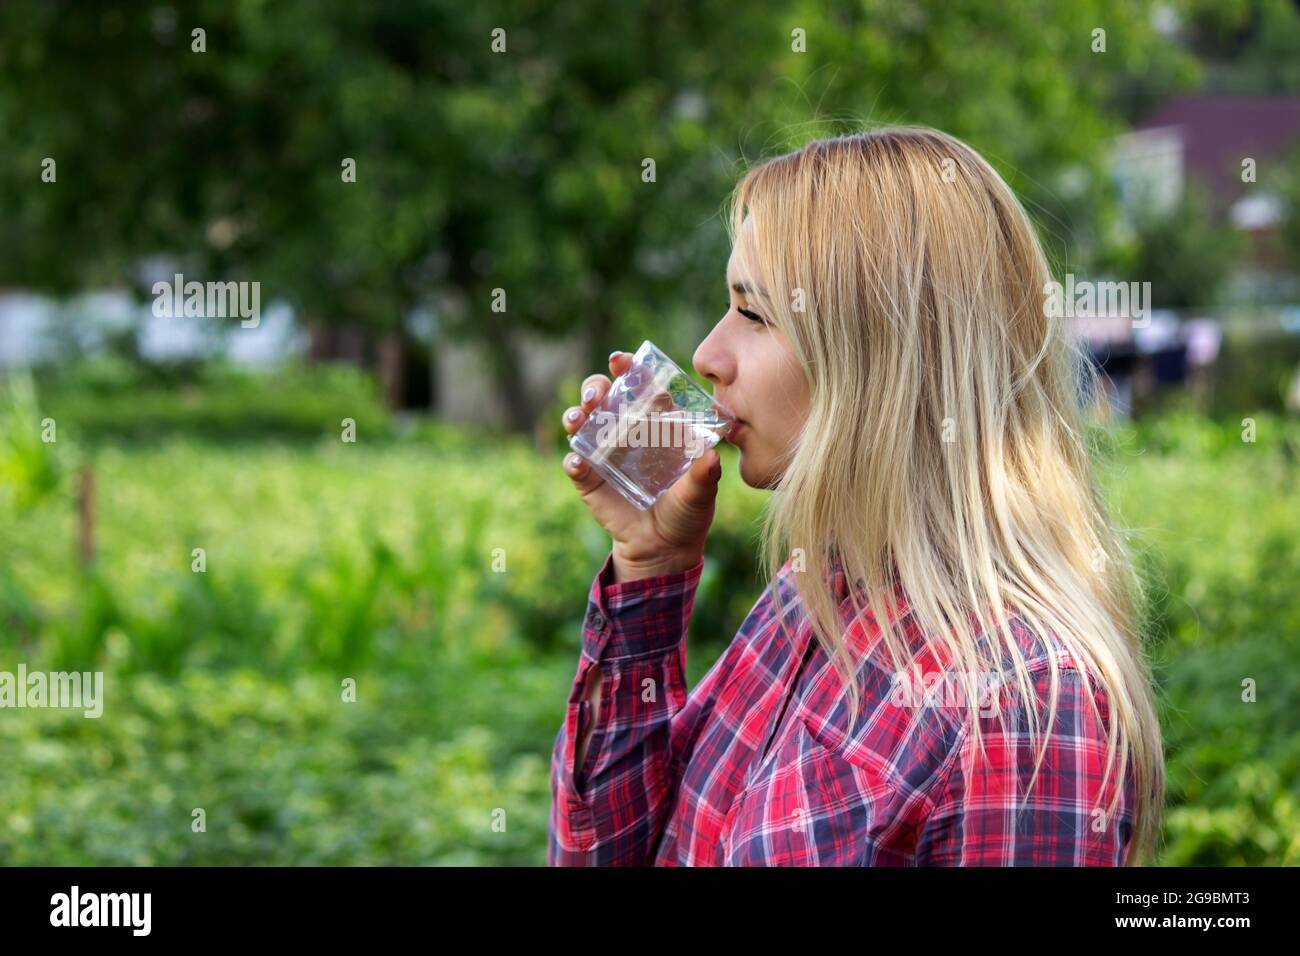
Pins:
x: 1220, y: 130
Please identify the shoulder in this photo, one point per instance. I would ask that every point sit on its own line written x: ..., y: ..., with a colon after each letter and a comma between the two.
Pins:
x: 1037, y: 785
x: 924, y: 712
x: 1053, y: 673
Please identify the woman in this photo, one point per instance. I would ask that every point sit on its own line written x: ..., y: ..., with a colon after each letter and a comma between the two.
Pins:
x: 945, y: 669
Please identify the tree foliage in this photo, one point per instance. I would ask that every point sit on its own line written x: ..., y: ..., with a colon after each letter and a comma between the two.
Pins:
x: 522, y: 168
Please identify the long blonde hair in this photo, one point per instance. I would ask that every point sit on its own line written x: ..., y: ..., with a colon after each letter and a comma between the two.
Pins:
x: 945, y: 450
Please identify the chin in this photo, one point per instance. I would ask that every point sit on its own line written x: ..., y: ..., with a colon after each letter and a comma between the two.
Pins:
x: 756, y: 476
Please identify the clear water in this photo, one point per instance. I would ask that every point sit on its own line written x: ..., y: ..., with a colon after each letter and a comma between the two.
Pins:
x: 668, y: 442
x: 653, y: 422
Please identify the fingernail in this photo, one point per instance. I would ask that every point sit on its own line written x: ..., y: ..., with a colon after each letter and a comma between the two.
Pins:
x: 572, y: 463
x: 589, y: 393
x: 572, y: 415
x: 613, y: 355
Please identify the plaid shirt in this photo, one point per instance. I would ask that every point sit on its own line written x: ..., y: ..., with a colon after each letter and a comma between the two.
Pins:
x: 758, y: 764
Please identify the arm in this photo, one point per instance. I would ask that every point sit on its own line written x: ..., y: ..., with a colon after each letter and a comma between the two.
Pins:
x: 609, y: 808
x: 976, y: 820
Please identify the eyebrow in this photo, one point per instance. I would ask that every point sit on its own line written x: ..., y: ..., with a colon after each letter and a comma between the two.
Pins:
x: 746, y: 290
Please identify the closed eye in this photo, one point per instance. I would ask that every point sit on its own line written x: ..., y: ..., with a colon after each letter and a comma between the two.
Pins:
x: 752, y: 316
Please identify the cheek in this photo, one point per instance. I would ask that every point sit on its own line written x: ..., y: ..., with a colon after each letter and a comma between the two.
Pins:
x: 772, y: 389
x: 782, y: 408
x: 771, y: 453
x: 763, y: 448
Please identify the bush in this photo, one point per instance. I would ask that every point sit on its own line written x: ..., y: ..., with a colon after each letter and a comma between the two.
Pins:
x: 447, y: 575
x: 1252, y: 375
x: 29, y: 468
x: 112, y: 401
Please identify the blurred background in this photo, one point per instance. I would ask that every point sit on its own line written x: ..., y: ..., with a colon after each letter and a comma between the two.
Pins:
x: 451, y: 217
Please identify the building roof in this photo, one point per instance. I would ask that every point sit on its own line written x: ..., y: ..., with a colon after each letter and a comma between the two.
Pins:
x: 1219, y: 130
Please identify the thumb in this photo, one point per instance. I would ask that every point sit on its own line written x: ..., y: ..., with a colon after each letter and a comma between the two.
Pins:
x: 704, y: 473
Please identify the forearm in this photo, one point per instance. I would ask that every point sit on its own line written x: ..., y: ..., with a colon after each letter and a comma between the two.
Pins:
x: 612, y: 760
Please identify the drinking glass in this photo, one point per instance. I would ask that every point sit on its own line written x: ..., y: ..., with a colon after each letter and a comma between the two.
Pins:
x: 651, y: 425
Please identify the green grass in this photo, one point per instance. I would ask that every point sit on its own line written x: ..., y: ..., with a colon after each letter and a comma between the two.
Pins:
x: 1218, y: 523
x: 374, y: 561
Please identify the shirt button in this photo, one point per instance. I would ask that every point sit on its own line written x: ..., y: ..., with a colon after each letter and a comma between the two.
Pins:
x: 598, y: 621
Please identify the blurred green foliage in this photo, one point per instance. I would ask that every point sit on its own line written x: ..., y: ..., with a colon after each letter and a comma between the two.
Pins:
x: 513, y: 160
x: 1216, y: 522
x: 520, y: 170
x: 29, y: 469
x: 1248, y: 46
x: 374, y: 561
x: 1254, y: 372
x: 108, y: 399
x: 1184, y: 252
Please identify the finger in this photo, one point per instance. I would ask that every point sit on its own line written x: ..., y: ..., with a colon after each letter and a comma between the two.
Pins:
x: 619, y: 362
x: 573, y: 418
x: 593, y: 390
x: 585, y: 478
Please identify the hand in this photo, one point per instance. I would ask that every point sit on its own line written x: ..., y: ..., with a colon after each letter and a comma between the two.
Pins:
x: 670, y: 535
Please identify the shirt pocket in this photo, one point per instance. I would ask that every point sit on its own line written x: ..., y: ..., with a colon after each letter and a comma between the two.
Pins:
x: 805, y: 805
x: 890, y: 754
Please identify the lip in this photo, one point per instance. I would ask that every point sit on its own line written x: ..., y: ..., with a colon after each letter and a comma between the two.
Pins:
x: 734, y: 431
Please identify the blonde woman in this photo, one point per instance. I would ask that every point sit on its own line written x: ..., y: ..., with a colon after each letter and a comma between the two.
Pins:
x: 945, y: 668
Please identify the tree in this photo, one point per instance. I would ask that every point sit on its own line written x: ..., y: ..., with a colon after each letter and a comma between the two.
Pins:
x: 513, y: 160
x: 1184, y: 253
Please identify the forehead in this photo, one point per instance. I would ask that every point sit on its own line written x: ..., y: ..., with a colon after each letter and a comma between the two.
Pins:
x: 742, y: 253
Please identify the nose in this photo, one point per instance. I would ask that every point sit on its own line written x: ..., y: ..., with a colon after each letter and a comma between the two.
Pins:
x: 714, y: 359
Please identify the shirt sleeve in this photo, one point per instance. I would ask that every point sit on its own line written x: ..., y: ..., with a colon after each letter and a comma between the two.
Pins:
x: 611, y: 810
x: 977, y: 817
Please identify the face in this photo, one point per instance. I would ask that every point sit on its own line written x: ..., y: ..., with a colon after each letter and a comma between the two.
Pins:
x: 755, y: 374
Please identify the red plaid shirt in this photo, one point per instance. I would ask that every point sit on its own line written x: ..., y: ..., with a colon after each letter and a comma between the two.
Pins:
x: 758, y: 765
